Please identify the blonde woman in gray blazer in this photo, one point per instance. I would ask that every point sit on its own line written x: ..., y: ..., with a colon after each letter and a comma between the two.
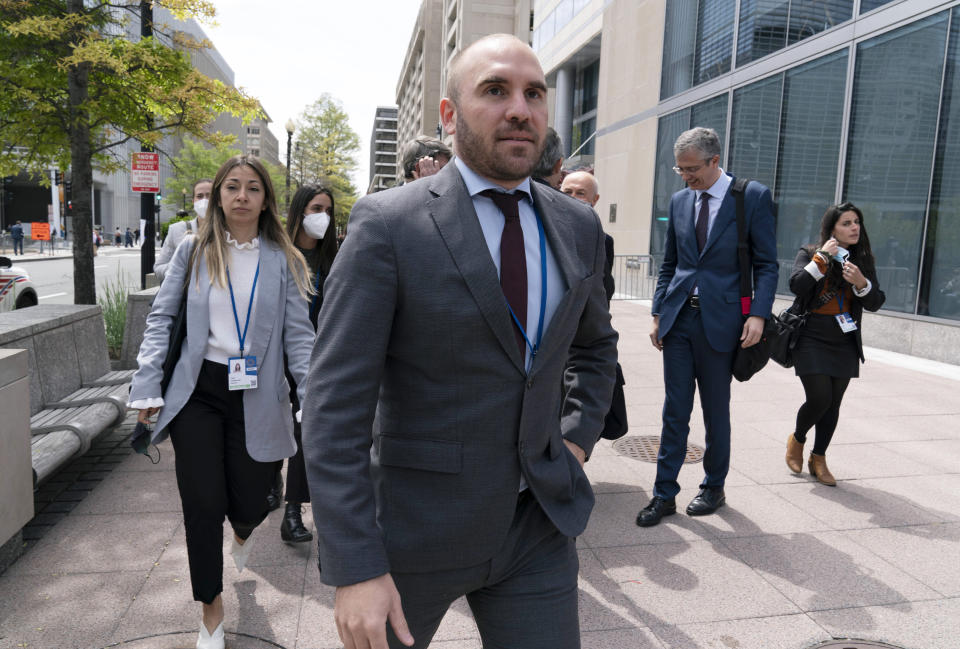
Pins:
x: 247, y: 283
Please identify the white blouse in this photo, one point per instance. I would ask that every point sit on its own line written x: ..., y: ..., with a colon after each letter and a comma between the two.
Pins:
x: 222, y: 340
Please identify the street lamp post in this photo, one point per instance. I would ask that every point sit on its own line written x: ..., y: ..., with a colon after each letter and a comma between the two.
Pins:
x: 289, y: 126
x: 184, y: 192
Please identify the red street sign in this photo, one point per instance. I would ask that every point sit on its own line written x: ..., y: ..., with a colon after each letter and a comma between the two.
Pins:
x: 145, y: 172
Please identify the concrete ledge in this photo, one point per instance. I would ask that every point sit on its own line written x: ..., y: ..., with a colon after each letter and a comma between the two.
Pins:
x: 138, y: 307
x: 16, y: 486
x: 67, y: 344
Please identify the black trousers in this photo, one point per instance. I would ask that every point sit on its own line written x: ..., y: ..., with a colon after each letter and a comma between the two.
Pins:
x: 525, y: 596
x: 297, y: 489
x: 216, y: 476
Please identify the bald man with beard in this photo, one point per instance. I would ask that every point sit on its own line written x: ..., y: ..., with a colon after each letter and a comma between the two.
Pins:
x: 451, y: 312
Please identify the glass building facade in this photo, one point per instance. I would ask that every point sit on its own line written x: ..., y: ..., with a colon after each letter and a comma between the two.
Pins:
x: 874, y: 120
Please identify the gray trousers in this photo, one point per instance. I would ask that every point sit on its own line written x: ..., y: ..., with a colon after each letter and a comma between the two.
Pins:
x: 525, y: 597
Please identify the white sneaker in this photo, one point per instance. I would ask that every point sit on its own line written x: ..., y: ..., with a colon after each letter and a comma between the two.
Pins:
x: 208, y: 640
x: 241, y: 552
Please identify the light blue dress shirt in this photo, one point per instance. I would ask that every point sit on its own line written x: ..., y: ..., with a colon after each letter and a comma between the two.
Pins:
x: 491, y: 222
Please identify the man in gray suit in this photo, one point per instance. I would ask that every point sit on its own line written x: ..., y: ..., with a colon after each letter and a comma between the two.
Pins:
x: 472, y: 480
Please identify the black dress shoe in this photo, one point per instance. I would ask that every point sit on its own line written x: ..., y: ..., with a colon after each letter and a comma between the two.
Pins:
x: 291, y: 528
x: 275, y: 497
x: 707, y: 501
x: 657, y: 509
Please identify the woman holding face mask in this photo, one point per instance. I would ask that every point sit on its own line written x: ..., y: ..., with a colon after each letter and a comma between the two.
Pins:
x: 834, y: 282
x: 310, y: 226
x: 225, y: 408
x: 177, y: 231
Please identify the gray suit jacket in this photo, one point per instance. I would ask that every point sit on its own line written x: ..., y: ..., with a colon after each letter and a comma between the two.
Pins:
x: 414, y: 326
x: 175, y: 234
x: 280, y: 326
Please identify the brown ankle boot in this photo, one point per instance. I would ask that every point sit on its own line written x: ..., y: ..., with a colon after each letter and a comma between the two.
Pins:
x: 794, y: 454
x: 818, y: 469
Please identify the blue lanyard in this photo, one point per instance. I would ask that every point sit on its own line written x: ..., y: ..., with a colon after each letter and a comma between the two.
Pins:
x: 233, y: 303
x: 840, y: 297
x: 543, y: 294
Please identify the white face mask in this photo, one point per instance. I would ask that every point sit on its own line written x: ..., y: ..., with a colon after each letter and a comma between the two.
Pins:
x: 316, y: 224
x: 200, y: 207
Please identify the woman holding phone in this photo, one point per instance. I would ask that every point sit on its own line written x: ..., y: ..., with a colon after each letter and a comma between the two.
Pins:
x: 834, y: 282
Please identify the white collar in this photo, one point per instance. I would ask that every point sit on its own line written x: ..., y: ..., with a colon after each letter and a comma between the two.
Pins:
x: 251, y: 245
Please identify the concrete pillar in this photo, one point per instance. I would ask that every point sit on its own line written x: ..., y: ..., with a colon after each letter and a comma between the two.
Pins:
x: 16, y: 487
x: 563, y: 113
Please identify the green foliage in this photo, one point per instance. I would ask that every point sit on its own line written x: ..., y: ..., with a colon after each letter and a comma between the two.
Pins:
x: 74, y: 85
x: 113, y: 302
x: 326, y: 152
x: 195, y: 161
x: 128, y: 82
x: 165, y: 227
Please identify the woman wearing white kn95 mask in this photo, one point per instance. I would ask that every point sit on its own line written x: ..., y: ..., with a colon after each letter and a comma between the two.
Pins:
x: 311, y: 227
x: 179, y: 230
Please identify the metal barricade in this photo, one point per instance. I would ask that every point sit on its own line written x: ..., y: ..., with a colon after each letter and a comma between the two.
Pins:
x: 634, y: 277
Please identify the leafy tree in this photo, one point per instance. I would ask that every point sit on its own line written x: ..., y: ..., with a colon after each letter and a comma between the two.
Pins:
x: 74, y: 84
x: 326, y: 152
x: 193, y: 162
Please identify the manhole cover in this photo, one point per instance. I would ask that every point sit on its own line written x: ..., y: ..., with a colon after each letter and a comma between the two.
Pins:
x: 646, y: 447
x: 854, y: 644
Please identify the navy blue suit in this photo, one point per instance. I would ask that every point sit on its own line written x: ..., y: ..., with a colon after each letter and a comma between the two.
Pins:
x: 698, y: 344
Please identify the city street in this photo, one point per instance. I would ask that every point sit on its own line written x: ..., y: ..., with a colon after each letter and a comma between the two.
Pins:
x: 54, y: 277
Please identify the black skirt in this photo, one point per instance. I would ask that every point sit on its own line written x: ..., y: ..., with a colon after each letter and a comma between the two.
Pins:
x: 823, y: 348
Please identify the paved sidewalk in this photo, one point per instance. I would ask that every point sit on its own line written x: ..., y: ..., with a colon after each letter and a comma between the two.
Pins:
x: 787, y: 564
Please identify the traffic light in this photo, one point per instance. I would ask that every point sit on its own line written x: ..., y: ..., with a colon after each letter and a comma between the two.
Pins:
x: 57, y: 177
x: 69, y: 206
x: 68, y: 186
x: 158, y: 198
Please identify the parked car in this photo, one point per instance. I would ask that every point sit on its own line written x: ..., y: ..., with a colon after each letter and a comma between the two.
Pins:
x: 16, y: 289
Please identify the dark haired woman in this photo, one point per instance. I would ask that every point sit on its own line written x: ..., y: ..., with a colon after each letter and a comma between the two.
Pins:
x: 311, y: 227
x: 834, y: 282
x: 226, y: 407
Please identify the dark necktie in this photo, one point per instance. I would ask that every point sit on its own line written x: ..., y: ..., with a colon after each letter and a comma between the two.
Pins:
x: 513, y: 258
x: 702, y: 220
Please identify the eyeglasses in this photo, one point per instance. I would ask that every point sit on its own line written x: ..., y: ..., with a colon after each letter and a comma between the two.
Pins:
x: 689, y: 170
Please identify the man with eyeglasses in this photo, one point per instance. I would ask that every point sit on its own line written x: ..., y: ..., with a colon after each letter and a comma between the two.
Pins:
x: 697, y: 317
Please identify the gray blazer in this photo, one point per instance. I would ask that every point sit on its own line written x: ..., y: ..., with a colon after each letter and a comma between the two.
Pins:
x: 280, y: 326
x: 414, y: 326
x: 175, y: 234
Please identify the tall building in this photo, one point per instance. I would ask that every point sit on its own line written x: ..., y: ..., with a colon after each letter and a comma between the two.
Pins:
x: 257, y: 140
x: 822, y: 102
x: 418, y: 91
x: 383, y: 149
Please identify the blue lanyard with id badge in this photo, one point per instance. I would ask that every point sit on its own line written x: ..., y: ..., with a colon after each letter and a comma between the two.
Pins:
x: 844, y: 319
x: 242, y: 370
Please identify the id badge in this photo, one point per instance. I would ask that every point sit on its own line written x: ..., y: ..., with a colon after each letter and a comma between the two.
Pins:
x: 846, y: 322
x: 242, y: 373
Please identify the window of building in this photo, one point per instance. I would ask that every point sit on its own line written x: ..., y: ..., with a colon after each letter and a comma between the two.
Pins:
x: 893, y: 122
x: 786, y: 133
x: 770, y: 25
x: 697, y: 43
x: 253, y: 130
x: 940, y: 292
x: 870, y: 5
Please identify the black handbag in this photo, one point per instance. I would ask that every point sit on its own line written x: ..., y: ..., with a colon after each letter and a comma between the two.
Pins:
x: 788, y: 325
x: 747, y: 361
x: 140, y: 439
